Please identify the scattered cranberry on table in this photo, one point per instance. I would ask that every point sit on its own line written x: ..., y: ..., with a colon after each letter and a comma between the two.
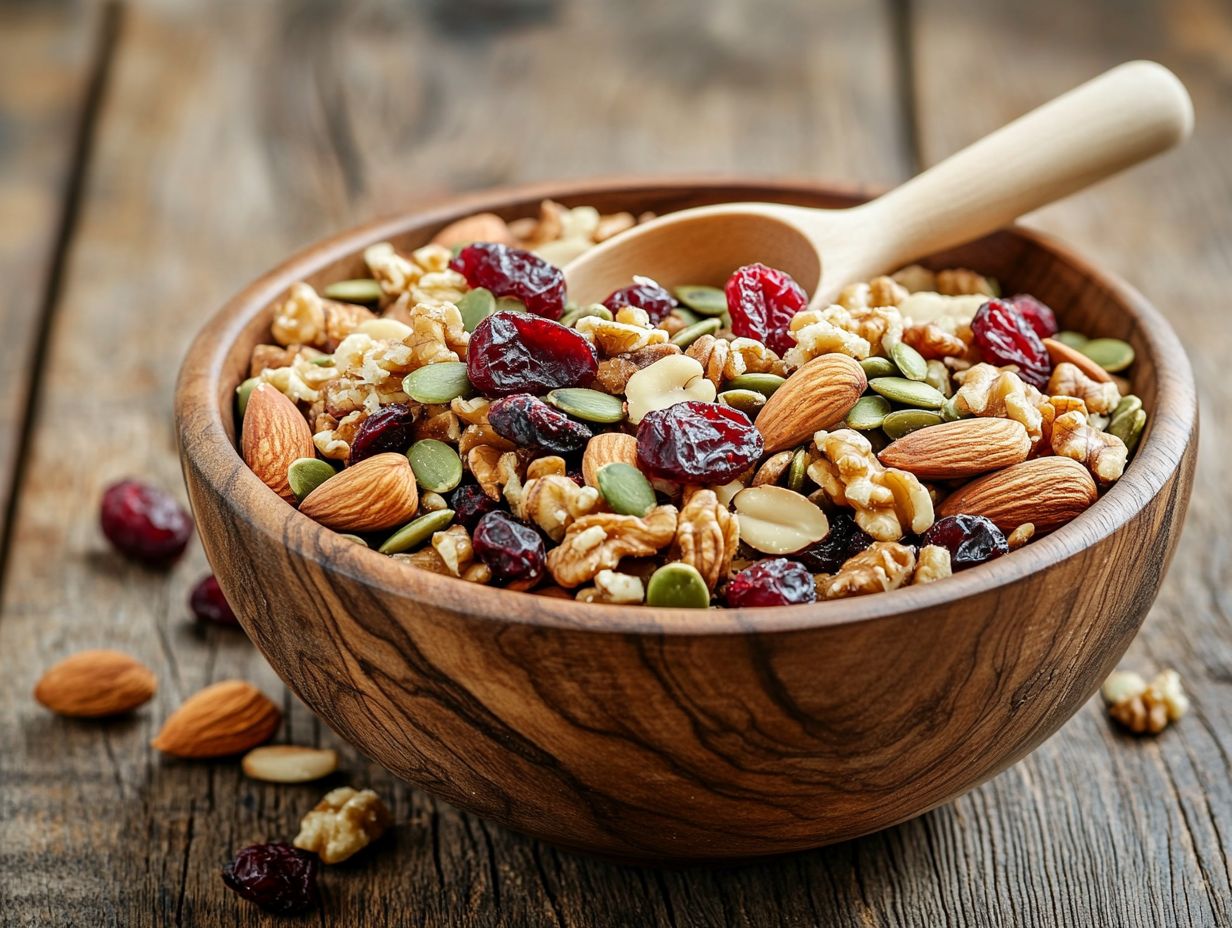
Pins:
x: 145, y: 523
x: 208, y: 603
x: 276, y: 876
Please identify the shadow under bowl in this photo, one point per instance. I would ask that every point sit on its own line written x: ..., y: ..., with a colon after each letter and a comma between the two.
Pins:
x: 658, y: 734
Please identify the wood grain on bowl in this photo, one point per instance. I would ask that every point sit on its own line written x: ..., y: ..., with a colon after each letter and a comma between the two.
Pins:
x: 675, y: 734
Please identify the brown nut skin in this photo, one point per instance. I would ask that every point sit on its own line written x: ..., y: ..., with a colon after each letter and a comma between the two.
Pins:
x: 96, y: 684
x: 815, y: 397
x: 1047, y: 492
x: 962, y: 448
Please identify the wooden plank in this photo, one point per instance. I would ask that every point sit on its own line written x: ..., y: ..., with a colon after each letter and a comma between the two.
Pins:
x: 231, y: 133
x: 1095, y: 827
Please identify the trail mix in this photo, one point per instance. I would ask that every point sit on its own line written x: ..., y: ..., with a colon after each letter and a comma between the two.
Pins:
x: 691, y: 447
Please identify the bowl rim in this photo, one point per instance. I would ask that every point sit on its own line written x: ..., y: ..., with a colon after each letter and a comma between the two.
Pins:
x: 1158, y: 457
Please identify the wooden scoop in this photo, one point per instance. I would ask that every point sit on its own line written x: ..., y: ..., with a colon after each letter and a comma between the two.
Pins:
x: 1124, y: 116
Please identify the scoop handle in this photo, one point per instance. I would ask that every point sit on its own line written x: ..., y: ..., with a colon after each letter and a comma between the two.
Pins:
x: 1124, y: 116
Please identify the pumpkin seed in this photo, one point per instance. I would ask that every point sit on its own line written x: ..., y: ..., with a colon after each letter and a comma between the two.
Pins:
x: 677, y: 585
x: 1126, y: 405
x: 765, y: 384
x: 243, y: 391
x: 904, y: 421
x: 908, y: 392
x: 709, y: 301
x: 588, y: 405
x: 798, y: 470
x: 510, y: 304
x: 938, y: 377
x: 1129, y: 428
x: 326, y: 361
x: 1111, y: 354
x: 949, y: 412
x: 868, y: 413
x: 475, y: 306
x: 306, y: 474
x: 1075, y: 340
x: 355, y: 538
x: 437, y: 383
x: 909, y: 361
x: 879, y: 367
x: 747, y: 401
x: 574, y: 313
x: 363, y: 290
x: 436, y: 465
x: 626, y: 489
x: 687, y: 316
x: 691, y: 333
x: 416, y: 532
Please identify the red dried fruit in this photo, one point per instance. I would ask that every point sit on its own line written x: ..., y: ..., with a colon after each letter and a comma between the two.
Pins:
x: 762, y: 301
x: 844, y: 540
x: 775, y: 582
x: 508, y: 271
x: 470, y: 504
x: 208, y: 603
x: 390, y: 428
x: 1004, y: 336
x: 1039, y: 315
x: 529, y: 422
x: 513, y: 551
x: 696, y: 442
x: 276, y: 876
x: 970, y: 540
x: 145, y: 523
x: 645, y: 294
x: 519, y: 353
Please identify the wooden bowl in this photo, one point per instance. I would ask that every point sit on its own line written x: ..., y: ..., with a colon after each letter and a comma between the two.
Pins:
x: 662, y: 734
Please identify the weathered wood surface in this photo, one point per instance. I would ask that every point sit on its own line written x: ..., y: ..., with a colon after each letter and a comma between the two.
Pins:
x: 230, y: 133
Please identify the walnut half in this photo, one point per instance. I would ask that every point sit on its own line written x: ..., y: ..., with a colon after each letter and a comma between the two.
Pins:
x: 343, y: 823
x: 598, y: 541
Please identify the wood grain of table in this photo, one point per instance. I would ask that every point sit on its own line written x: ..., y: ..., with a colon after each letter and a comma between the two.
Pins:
x: 156, y: 156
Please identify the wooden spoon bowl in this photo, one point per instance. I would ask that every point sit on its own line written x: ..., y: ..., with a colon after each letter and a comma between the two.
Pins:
x: 658, y: 734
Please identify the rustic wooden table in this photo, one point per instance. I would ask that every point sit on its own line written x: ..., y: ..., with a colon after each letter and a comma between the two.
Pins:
x: 155, y: 156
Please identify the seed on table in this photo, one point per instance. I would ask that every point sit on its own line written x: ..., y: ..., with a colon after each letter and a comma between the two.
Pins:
x: 709, y: 301
x: 747, y: 401
x: 417, y: 531
x: 879, y: 367
x: 437, y: 383
x: 909, y: 361
x: 691, y: 333
x: 360, y: 290
x: 475, y: 306
x: 588, y: 405
x: 625, y: 489
x: 677, y: 585
x: 868, y: 413
x: 904, y: 421
x: 436, y: 465
x: 908, y: 392
x: 1111, y: 354
x: 306, y: 474
x: 765, y: 384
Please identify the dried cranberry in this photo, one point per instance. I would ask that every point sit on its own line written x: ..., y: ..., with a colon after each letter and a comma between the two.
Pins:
x: 1004, y: 336
x: 775, y: 582
x: 470, y: 504
x: 518, y: 353
x: 145, y: 523
x: 277, y: 877
x: 512, y: 550
x: 844, y: 540
x: 513, y: 272
x: 697, y: 442
x: 390, y: 428
x: 209, y: 605
x: 970, y: 540
x: 1039, y: 315
x: 645, y: 294
x: 531, y: 423
x: 762, y: 301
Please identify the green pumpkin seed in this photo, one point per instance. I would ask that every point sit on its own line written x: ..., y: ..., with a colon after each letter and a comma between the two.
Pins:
x: 437, y: 383
x: 1075, y: 340
x: 938, y: 377
x: 879, y: 367
x: 626, y: 489
x: 436, y: 465
x: 1127, y: 405
x: 1129, y: 428
x: 748, y: 402
x: 909, y: 361
x: 691, y: 333
x: 576, y: 313
x: 798, y: 470
x: 908, y: 392
x: 588, y: 405
x: 243, y: 391
x: 687, y: 316
x: 510, y: 304
x: 475, y: 306
x: 677, y: 585
x: 353, y: 538
x: 949, y: 412
x: 306, y: 474
x: 326, y: 361
x: 709, y: 301
x: 1111, y: 354
x: 363, y: 290
x: 765, y: 384
x: 904, y: 421
x: 417, y: 532
x: 868, y: 413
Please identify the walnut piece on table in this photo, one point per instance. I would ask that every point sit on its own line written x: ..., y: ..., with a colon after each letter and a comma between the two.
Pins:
x: 1142, y: 707
x: 343, y: 823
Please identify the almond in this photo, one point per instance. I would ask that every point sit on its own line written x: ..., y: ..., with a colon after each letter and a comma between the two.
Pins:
x: 275, y: 435
x: 1047, y: 492
x: 220, y: 720
x: 377, y: 493
x: 962, y: 448
x: 289, y: 763
x: 607, y: 448
x: 94, y: 684
x: 481, y: 227
x: 815, y: 397
x: 1060, y: 352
